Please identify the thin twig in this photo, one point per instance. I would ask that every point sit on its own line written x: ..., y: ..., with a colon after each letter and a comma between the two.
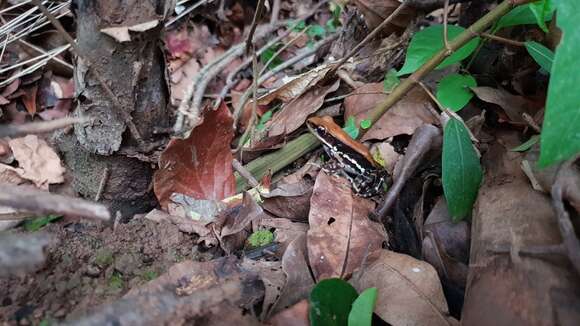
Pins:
x: 103, y: 183
x: 445, y: 22
x: 12, y: 130
x: 112, y: 97
x: 238, y: 167
x: 502, y: 39
x: 367, y: 39
x: 282, y: 49
x: 42, y: 202
x: 249, y: 130
x: 257, y: 15
x: 244, y: 98
x: 190, y: 105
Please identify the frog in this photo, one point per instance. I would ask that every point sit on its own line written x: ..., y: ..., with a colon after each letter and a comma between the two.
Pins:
x: 349, y: 158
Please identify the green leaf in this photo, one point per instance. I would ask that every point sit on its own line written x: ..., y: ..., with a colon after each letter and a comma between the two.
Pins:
x: 330, y: 302
x: 263, y: 119
x: 260, y: 238
x: 461, y: 170
x: 316, y: 31
x: 520, y: 15
x: 35, y: 224
x: 350, y: 128
x: 362, y: 308
x: 430, y: 41
x: 541, y: 9
x: 365, y: 124
x: 453, y: 91
x: 560, y: 138
x: 527, y: 144
x: 541, y: 54
x: 391, y: 81
x: 268, y: 54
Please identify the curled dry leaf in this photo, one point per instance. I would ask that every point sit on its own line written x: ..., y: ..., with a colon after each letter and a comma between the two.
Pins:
x: 37, y: 161
x: 409, y: 290
x: 341, y: 236
x: 201, y: 165
x: 294, y: 114
x: 295, y: 87
x: 404, y: 117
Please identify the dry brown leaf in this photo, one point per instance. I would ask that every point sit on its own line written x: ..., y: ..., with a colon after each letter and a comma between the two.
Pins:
x: 297, y: 315
x: 513, y: 105
x: 409, y: 290
x: 376, y: 11
x: 285, y: 231
x: 289, y: 200
x: 201, y: 165
x: 299, y: 281
x: 37, y: 161
x: 295, y: 113
x: 341, y: 236
x: 295, y: 87
x: 411, y: 112
x: 273, y: 278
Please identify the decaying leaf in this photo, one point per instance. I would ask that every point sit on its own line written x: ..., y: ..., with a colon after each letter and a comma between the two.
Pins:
x: 37, y: 161
x: 409, y: 290
x: 295, y: 113
x: 299, y: 281
x: 376, y: 11
x: 273, y: 277
x: 513, y: 105
x: 201, y: 165
x: 341, y: 236
x: 404, y: 117
x: 289, y: 200
x: 285, y: 231
x: 295, y: 87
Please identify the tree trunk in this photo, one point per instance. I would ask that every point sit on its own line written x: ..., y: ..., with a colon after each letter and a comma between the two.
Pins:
x: 105, y: 149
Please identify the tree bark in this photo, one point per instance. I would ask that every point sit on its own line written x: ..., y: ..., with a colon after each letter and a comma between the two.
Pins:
x: 134, y: 70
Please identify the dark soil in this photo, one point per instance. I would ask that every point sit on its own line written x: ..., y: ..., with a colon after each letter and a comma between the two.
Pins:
x: 88, y: 265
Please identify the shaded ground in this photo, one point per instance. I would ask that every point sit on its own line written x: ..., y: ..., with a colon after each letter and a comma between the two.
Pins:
x: 89, y: 265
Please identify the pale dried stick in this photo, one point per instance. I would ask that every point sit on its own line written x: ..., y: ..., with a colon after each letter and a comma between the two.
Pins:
x: 12, y: 130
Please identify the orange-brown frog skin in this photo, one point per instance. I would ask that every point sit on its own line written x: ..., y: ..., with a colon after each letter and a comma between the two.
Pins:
x: 354, y: 160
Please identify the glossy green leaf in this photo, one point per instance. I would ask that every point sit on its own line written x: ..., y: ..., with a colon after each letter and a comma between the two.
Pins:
x: 268, y: 54
x: 350, y: 128
x: 527, y: 144
x: 391, y: 81
x: 560, y: 139
x: 361, y: 313
x: 461, y: 170
x: 330, y: 302
x: 38, y: 223
x: 429, y: 41
x: 541, y: 54
x: 520, y: 15
x: 453, y: 91
x: 541, y: 9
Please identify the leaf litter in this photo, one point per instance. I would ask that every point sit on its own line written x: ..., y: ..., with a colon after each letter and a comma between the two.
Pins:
x: 190, y: 259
